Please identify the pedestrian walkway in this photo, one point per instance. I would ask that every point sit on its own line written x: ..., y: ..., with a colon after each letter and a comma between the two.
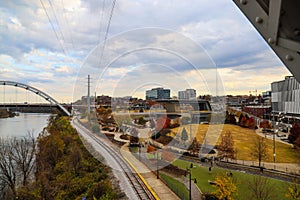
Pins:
x: 196, y: 193
x: 293, y: 168
x: 159, y: 188
x: 270, y: 136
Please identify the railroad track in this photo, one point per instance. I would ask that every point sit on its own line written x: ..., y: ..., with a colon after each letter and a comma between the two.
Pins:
x: 138, y: 185
x: 248, y: 169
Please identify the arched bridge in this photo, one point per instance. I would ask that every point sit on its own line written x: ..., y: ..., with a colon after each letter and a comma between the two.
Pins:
x: 37, y: 92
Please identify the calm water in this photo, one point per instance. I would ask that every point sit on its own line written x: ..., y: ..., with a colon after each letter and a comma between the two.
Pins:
x: 20, y: 125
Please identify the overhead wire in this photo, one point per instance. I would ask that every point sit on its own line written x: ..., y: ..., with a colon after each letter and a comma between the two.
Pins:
x: 100, y: 22
x: 56, y: 20
x: 109, y: 21
x: 68, y: 26
x: 53, y: 29
x: 107, y: 30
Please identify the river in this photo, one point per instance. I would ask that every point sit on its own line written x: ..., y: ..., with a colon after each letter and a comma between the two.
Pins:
x: 19, y: 126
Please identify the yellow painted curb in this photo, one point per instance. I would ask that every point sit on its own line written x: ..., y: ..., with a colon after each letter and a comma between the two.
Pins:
x: 142, y: 178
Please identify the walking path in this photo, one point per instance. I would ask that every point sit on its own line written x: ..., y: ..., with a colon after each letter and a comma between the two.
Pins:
x: 270, y: 136
x: 159, y: 188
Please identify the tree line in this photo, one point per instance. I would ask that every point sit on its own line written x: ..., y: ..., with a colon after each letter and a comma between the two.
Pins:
x: 56, y: 165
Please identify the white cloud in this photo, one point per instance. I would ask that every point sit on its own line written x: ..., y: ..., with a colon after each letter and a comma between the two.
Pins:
x: 31, y: 52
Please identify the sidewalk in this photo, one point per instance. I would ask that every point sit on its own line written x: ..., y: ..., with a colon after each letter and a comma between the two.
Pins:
x: 283, y: 167
x: 270, y: 136
x: 160, y: 189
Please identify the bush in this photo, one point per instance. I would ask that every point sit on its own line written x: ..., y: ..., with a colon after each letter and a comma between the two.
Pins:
x: 105, y: 128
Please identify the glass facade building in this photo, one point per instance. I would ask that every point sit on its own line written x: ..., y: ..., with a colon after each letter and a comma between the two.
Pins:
x: 157, y: 93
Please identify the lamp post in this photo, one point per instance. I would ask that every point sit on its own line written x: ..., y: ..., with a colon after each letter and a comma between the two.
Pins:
x: 189, y: 171
x: 274, y: 143
x: 275, y: 132
x: 140, y: 151
x: 157, y: 171
x: 191, y: 119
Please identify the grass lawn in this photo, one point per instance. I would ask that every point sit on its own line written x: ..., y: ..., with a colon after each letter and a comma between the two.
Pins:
x: 243, y: 140
x: 241, y: 179
x: 176, y: 186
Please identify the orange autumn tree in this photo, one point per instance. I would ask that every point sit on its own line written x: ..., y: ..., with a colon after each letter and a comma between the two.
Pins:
x: 162, y: 122
x: 265, y: 124
x: 226, y: 188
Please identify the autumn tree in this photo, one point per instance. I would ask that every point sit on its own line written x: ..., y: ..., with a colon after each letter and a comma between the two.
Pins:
x: 162, y: 123
x: 65, y: 169
x: 194, y: 147
x: 142, y: 121
x: 226, y: 147
x: 150, y: 149
x: 230, y: 118
x: 293, y: 192
x: 259, y: 149
x: 294, y: 133
x: 226, y: 188
x: 261, y: 188
x: 265, y: 124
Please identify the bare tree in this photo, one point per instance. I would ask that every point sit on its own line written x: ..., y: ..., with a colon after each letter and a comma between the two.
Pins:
x: 8, y: 170
x: 261, y: 188
x: 194, y: 148
x: 17, y: 161
x: 226, y: 147
x: 24, y: 156
x: 259, y: 149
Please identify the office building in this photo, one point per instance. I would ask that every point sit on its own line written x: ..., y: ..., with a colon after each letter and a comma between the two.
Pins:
x: 286, y: 96
x: 157, y: 93
x: 188, y: 94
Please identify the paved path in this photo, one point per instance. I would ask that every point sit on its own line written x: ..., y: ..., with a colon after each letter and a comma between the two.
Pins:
x: 161, y: 190
x: 270, y: 136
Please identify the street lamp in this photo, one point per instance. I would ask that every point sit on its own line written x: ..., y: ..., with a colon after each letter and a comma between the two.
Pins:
x: 191, y: 119
x: 140, y: 151
x: 157, y: 171
x: 189, y: 171
x: 275, y: 130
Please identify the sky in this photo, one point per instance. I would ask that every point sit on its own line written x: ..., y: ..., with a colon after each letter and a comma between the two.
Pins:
x: 129, y: 46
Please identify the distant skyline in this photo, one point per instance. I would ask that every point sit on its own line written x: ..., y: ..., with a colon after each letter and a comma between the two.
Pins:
x: 50, y: 56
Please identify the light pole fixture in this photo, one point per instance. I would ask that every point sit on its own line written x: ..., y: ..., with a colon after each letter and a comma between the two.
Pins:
x: 189, y: 171
x: 157, y: 171
x: 191, y: 120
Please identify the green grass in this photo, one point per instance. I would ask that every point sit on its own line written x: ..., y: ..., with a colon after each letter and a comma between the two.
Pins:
x: 176, y: 186
x: 241, y: 179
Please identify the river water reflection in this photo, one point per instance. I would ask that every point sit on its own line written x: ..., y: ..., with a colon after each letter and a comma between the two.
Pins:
x: 20, y: 125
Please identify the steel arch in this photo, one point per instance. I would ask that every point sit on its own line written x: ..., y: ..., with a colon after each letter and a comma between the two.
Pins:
x: 37, y: 92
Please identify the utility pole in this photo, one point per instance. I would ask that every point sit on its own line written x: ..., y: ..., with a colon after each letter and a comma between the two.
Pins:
x: 88, y: 96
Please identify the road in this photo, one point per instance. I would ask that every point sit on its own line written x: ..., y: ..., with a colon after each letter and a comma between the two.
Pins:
x: 129, y: 181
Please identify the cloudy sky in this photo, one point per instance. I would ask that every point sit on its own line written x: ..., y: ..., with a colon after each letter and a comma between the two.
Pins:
x: 207, y: 45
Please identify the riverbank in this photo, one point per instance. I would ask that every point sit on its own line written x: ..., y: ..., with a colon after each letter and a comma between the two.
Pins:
x: 4, y: 113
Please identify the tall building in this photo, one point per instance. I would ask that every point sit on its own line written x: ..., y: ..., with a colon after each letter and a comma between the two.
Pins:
x: 286, y: 96
x: 157, y: 93
x: 188, y: 94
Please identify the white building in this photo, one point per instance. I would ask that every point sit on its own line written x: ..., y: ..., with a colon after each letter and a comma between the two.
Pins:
x: 188, y: 94
x: 286, y: 96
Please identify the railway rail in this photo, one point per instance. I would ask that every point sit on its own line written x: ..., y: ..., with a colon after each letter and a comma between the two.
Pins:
x: 133, y: 177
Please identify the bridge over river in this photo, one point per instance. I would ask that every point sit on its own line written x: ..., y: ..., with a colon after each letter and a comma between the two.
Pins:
x: 26, y: 107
